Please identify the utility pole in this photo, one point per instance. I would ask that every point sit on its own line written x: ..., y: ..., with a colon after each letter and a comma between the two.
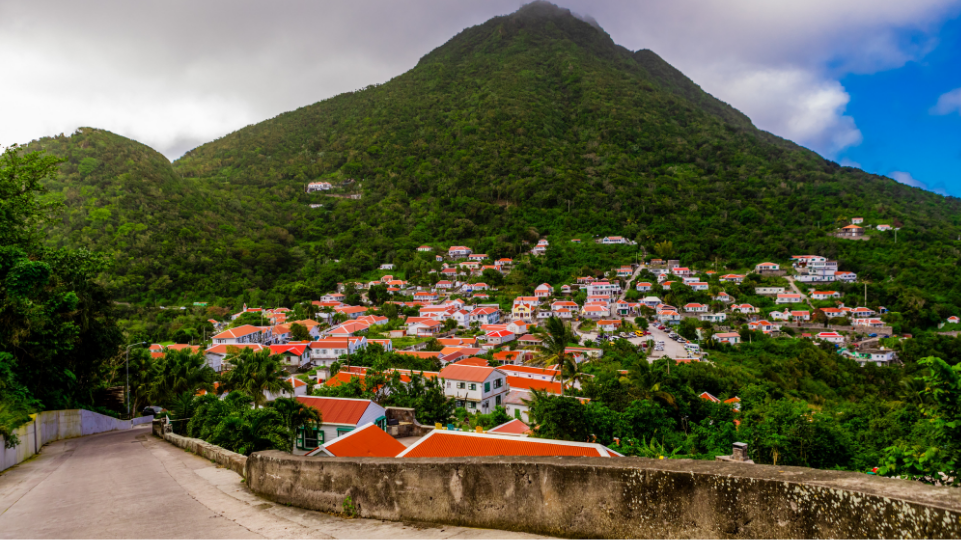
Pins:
x: 865, y: 294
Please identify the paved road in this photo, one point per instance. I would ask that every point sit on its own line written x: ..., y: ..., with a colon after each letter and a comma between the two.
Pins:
x: 129, y: 484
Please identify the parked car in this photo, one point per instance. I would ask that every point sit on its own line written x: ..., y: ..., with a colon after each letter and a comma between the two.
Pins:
x: 872, y: 335
x: 151, y: 410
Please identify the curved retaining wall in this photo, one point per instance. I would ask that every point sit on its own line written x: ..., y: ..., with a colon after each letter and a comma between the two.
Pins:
x: 50, y: 426
x: 613, y: 498
x: 231, y: 460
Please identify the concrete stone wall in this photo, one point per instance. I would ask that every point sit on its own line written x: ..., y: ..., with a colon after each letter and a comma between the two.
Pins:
x: 613, y: 498
x: 231, y: 460
x: 50, y: 426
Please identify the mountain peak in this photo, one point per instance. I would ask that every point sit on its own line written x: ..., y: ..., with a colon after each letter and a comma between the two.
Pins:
x: 540, y: 9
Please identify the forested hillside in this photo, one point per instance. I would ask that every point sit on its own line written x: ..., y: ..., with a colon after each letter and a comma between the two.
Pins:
x: 531, y: 124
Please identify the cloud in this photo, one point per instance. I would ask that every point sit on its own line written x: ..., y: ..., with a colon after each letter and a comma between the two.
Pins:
x: 790, y: 102
x: 845, y: 162
x: 948, y: 103
x: 908, y: 180
x: 177, y: 73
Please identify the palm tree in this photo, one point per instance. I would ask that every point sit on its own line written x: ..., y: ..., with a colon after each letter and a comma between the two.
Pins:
x: 256, y: 373
x: 296, y: 414
x: 569, y: 371
x: 179, y: 372
x: 553, y: 347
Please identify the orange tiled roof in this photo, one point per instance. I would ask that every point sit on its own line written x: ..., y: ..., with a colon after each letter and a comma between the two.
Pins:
x: 337, y: 410
x: 462, y: 444
x: 367, y: 441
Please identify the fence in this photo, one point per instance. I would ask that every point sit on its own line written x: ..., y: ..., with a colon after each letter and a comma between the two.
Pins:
x: 52, y: 426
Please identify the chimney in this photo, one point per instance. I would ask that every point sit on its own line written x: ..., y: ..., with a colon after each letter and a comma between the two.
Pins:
x: 739, y: 453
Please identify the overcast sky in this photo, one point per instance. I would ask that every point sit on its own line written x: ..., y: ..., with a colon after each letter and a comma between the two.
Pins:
x: 176, y: 74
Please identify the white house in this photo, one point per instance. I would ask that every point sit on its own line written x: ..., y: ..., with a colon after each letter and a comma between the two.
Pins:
x: 240, y: 335
x: 698, y: 285
x: 459, y: 252
x: 825, y: 295
x: 424, y: 249
x: 788, y: 298
x: 643, y: 286
x: 857, y: 220
x: 767, y: 267
x: 603, y: 288
x: 216, y: 355
x: 613, y: 240
x: 830, y: 337
x: 732, y: 338
x: 713, y: 317
x: 695, y: 308
x: 768, y: 290
x: 668, y: 316
x: 544, y: 290
x: 338, y: 417
x: 845, y: 276
x: 476, y: 388
x: 319, y: 186
x: 325, y: 352
x: 734, y: 278
x: 500, y: 337
x: 882, y: 356
x: 884, y: 227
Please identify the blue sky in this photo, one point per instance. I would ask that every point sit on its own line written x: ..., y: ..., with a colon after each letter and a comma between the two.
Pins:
x: 903, y: 131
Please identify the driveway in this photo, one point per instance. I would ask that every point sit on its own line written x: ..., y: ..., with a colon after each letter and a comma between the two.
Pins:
x: 130, y: 484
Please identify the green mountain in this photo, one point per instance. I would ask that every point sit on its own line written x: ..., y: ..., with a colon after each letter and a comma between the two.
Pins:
x: 531, y: 124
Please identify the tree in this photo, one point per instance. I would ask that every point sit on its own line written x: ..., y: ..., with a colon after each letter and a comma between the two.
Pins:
x: 377, y: 294
x: 936, y: 458
x: 554, y: 340
x: 255, y: 373
x: 299, y: 332
x: 664, y: 249
x: 22, y: 211
x: 295, y: 415
x: 180, y: 372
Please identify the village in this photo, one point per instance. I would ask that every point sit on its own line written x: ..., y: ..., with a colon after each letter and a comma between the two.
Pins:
x: 490, y: 356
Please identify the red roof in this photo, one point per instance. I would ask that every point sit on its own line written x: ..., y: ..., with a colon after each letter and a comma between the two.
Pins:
x: 524, y: 383
x: 240, y: 331
x: 366, y: 441
x: 337, y: 410
x: 471, y: 361
x: 288, y: 349
x: 463, y: 444
x: 514, y: 427
x: 460, y: 372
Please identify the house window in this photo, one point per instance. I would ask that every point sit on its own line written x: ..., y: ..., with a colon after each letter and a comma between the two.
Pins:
x: 487, y: 387
x: 473, y: 386
x: 461, y: 385
x: 342, y: 430
x: 309, y: 437
x: 517, y: 413
x: 498, y: 383
x: 497, y: 400
x: 471, y: 405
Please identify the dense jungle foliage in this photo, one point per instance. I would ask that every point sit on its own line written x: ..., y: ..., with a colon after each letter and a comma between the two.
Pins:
x: 528, y: 125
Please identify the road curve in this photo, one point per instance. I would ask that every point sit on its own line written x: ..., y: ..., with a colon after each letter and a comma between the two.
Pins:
x: 130, y: 484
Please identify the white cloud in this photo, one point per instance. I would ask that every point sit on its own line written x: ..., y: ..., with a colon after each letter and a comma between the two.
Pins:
x: 907, y: 179
x: 845, y: 162
x: 790, y: 102
x: 948, y: 103
x: 176, y: 73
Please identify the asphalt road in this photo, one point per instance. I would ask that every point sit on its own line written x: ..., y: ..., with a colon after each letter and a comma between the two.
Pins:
x: 129, y: 484
x: 671, y: 347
